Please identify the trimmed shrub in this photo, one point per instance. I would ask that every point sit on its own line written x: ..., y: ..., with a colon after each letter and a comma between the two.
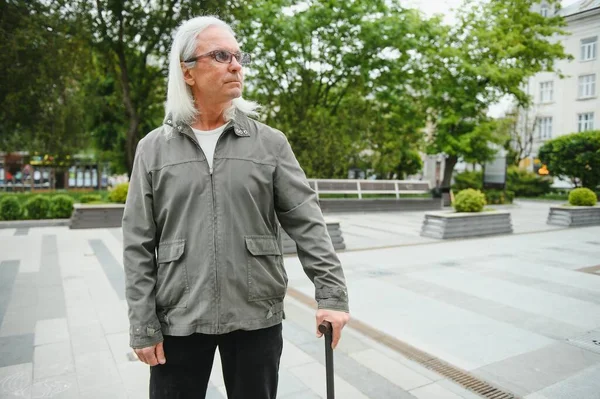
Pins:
x: 469, y: 200
x: 85, y: 199
x: 468, y: 179
x: 498, y: 197
x: 582, y: 197
x: 61, y: 207
x: 38, y: 207
x: 119, y: 193
x: 527, y: 184
x: 10, y: 208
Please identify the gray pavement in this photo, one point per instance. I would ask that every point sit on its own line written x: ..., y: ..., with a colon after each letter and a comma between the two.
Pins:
x: 513, y: 310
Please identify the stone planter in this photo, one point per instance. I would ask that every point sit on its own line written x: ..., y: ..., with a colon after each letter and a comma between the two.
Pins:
x: 462, y: 225
x: 96, y: 216
x: 574, y: 216
x: 333, y: 227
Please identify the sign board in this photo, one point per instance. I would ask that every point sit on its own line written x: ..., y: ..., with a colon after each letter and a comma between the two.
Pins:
x: 494, y: 173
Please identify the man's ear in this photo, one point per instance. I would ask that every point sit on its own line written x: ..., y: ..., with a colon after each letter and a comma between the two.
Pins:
x: 187, y: 76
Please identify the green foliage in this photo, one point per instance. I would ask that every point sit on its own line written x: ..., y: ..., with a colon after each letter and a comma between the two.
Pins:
x: 575, y: 156
x: 10, y: 208
x: 582, y: 197
x: 61, y: 207
x: 119, y: 193
x: 339, y: 79
x: 499, y: 197
x: 38, y: 207
x: 493, y: 48
x: 527, y: 184
x: 90, y: 198
x: 42, y: 63
x: 468, y: 179
x: 469, y: 200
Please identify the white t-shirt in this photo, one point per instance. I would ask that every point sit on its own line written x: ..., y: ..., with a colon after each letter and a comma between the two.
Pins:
x: 208, y: 142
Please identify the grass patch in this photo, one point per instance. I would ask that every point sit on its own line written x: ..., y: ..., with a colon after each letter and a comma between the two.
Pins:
x: 76, y: 195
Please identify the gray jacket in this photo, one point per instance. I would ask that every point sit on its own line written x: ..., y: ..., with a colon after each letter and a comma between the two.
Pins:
x: 202, y: 252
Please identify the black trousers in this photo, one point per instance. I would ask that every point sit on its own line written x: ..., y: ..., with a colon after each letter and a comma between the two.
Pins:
x: 250, y: 361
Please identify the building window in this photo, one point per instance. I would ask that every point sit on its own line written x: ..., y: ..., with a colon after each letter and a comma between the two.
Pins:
x: 544, y: 11
x: 545, y: 127
x: 587, y: 86
x: 586, y: 122
x: 589, y: 47
x: 546, y: 89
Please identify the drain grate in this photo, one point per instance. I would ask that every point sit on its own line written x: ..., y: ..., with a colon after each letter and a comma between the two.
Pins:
x: 589, y: 341
x: 459, y: 376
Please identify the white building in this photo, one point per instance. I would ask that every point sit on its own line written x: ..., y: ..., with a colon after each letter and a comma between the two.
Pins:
x: 569, y: 105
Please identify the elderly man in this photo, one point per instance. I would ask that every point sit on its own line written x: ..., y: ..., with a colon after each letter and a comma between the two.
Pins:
x: 202, y: 252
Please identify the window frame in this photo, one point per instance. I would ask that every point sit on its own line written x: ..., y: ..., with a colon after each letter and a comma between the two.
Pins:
x: 587, y: 124
x: 582, y: 85
x: 585, y: 45
x: 548, y: 88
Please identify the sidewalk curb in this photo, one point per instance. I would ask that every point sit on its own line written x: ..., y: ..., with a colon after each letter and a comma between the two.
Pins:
x: 16, y: 224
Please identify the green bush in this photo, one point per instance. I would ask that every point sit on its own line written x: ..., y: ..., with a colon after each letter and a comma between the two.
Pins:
x: 469, y: 200
x: 38, y: 207
x: 85, y: 199
x: 61, y: 207
x: 498, y: 197
x: 10, y: 208
x: 467, y: 179
x: 527, y: 184
x: 119, y: 193
x: 582, y: 197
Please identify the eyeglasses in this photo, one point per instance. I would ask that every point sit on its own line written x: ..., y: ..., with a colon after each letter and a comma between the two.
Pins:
x: 224, y: 57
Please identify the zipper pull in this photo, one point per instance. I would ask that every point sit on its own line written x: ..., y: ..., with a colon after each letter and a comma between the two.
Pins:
x: 210, y: 170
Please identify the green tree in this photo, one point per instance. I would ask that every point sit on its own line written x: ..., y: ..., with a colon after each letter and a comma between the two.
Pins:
x: 492, y: 50
x: 133, y: 39
x: 574, y: 156
x: 42, y: 61
x: 337, y: 77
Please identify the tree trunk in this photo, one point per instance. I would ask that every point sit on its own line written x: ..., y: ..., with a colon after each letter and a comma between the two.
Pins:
x: 131, y: 143
x: 448, y: 169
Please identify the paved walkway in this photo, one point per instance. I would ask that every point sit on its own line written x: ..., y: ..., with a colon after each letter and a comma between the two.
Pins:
x: 513, y: 310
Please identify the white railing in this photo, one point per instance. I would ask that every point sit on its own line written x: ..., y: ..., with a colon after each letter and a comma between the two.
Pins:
x: 360, y: 187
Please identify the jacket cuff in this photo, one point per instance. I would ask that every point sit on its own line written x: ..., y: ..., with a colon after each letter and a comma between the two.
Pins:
x: 143, y: 337
x: 341, y: 306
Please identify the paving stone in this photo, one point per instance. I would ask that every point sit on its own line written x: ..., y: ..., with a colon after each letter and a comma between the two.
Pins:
x: 52, y: 360
x: 15, y: 381
x: 535, y: 370
x: 16, y: 349
x: 393, y: 371
x: 136, y: 378
x: 313, y: 375
x: 59, y: 387
x: 113, y: 391
x: 289, y: 384
x: 119, y: 346
x: 51, y: 331
x: 20, y: 321
x: 95, y: 369
x: 434, y: 391
x: 293, y: 356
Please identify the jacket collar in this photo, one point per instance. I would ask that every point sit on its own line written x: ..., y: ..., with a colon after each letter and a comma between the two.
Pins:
x: 238, y: 124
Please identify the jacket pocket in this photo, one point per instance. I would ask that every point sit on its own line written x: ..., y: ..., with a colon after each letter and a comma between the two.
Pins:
x: 172, y: 286
x: 267, y: 278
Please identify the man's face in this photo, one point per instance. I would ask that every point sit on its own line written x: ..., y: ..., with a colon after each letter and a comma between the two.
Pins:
x: 214, y: 82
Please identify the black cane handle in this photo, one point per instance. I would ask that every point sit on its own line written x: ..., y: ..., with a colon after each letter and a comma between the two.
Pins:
x: 325, y: 328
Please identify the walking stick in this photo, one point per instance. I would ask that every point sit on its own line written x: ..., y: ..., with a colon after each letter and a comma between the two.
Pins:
x: 326, y: 329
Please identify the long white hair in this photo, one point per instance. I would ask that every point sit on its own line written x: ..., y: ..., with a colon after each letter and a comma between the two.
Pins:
x: 180, y: 102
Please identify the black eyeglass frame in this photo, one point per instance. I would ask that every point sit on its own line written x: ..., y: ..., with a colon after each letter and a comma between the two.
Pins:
x: 241, y: 57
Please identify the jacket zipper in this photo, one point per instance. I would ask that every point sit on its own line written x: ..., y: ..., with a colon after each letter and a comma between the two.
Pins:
x: 212, y: 193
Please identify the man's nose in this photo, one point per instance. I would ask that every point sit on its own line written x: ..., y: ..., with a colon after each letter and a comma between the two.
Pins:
x: 234, y: 65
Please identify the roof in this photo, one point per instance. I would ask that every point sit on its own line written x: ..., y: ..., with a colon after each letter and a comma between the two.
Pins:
x: 579, y: 7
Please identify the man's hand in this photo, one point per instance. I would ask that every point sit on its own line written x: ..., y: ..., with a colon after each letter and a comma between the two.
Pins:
x: 337, y: 319
x: 152, y: 355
